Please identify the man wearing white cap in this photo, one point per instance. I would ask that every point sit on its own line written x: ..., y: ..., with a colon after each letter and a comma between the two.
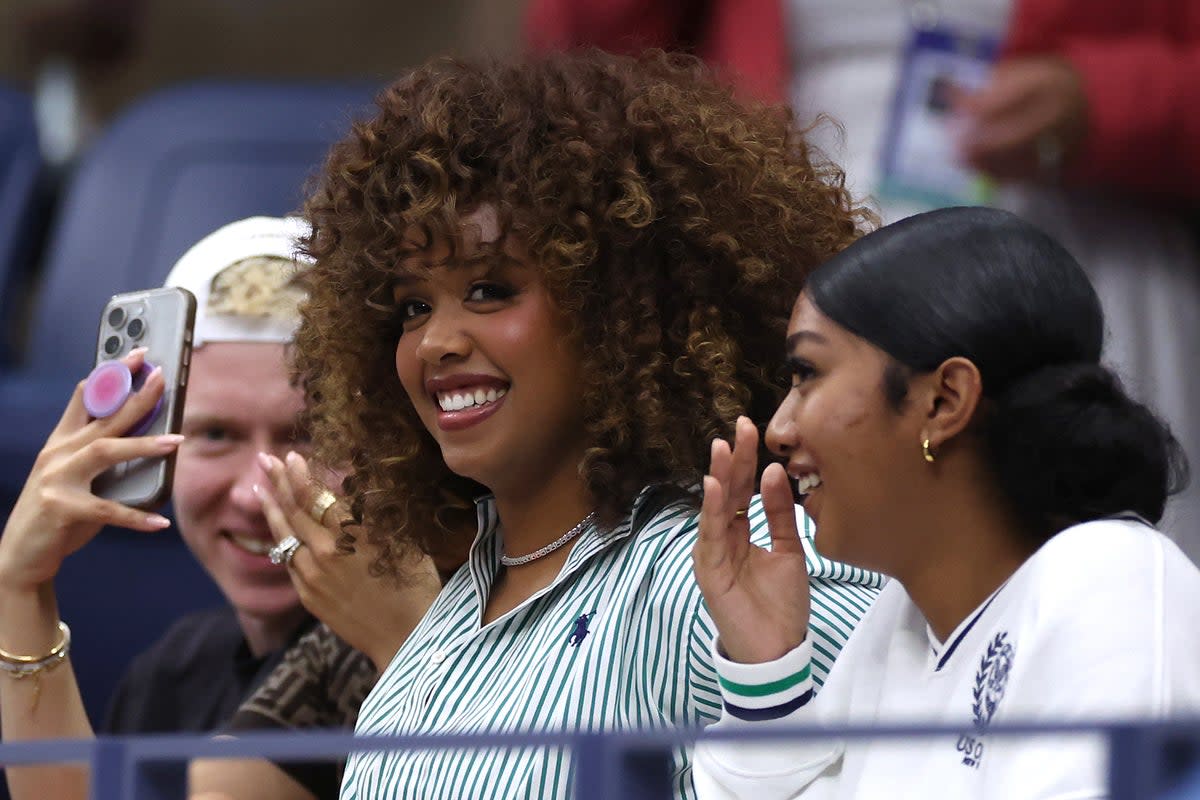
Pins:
x: 239, y: 403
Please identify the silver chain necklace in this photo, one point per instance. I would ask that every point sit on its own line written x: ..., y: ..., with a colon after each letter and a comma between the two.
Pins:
x: 541, y: 552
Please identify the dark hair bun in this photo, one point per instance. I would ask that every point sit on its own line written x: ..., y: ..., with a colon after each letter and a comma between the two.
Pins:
x: 1069, y: 445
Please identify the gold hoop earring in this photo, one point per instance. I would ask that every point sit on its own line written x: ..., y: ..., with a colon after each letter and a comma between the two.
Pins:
x: 925, y: 451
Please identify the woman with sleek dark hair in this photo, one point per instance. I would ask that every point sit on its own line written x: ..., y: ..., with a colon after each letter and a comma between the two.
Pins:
x: 950, y: 424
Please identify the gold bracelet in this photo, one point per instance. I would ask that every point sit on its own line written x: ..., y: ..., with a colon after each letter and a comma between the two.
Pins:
x: 19, y: 667
x: 56, y: 654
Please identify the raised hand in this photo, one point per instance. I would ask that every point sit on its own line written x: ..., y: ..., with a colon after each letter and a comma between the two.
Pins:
x: 57, y: 513
x: 372, y: 614
x: 758, y: 598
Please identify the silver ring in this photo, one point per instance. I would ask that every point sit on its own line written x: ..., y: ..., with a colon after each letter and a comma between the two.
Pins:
x: 282, y: 553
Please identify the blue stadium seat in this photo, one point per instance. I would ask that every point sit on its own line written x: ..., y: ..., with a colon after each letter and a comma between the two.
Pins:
x: 20, y: 204
x: 170, y: 170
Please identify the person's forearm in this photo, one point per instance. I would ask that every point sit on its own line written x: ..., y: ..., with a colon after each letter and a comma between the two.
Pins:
x: 242, y: 779
x: 45, y: 706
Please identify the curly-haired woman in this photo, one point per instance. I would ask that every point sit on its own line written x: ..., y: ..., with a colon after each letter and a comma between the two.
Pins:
x: 542, y: 289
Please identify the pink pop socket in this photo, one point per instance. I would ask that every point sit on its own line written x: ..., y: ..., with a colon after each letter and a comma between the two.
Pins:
x: 106, y: 389
x: 109, y: 386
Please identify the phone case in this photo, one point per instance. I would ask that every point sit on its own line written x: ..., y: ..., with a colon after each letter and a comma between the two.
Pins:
x: 160, y: 320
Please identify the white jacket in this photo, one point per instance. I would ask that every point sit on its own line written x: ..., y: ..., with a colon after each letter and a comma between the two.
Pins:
x: 1102, y: 623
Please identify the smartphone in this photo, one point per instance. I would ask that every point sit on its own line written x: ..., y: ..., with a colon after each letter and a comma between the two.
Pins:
x: 160, y: 320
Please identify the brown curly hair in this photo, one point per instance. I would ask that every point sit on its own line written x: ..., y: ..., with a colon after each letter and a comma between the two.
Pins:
x: 675, y: 228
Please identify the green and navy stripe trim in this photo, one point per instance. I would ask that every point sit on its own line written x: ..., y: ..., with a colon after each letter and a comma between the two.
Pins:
x: 772, y: 690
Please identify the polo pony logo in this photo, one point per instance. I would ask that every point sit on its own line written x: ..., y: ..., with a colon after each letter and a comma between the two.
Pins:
x: 990, y: 682
x: 580, y: 631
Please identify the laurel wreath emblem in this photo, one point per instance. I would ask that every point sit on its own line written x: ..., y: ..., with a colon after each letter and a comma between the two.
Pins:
x: 991, y: 679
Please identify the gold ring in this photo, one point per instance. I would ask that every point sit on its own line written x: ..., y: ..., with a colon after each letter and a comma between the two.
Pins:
x: 321, y: 505
x: 741, y: 513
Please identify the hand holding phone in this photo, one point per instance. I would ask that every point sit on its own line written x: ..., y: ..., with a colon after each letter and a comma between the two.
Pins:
x: 161, y: 321
x: 57, y: 512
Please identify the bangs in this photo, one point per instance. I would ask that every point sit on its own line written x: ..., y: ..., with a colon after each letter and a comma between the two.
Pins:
x: 448, y: 237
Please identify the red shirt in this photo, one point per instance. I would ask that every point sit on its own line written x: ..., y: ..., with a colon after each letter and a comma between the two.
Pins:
x: 1139, y: 61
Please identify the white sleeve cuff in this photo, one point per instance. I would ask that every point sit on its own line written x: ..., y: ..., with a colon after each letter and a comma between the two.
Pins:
x: 772, y: 690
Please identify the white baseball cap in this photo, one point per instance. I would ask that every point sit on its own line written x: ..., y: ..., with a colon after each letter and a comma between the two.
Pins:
x: 277, y: 237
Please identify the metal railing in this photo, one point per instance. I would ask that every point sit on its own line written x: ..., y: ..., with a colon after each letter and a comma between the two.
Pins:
x: 1148, y: 761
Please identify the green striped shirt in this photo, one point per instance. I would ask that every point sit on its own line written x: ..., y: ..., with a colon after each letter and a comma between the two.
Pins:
x: 621, y: 640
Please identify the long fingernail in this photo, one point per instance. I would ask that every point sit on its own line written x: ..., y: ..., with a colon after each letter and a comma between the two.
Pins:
x: 293, y: 458
x: 139, y: 351
x: 169, y: 439
x: 265, y: 461
x: 158, y: 521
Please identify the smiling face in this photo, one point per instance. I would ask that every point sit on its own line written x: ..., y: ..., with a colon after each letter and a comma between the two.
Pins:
x: 486, y: 359
x: 239, y: 402
x: 857, y: 457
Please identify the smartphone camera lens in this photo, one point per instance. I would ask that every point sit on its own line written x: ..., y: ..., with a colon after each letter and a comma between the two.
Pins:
x: 136, y: 328
x: 116, y: 317
x: 112, y: 345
